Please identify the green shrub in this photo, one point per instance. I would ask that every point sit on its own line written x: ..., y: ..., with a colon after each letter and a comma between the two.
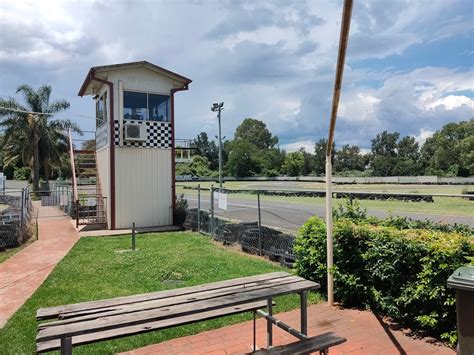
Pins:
x: 180, y: 209
x: 400, y: 273
x: 408, y: 223
x: 350, y: 210
x: 23, y: 173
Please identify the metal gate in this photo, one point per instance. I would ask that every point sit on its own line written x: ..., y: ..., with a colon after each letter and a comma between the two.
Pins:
x: 55, y: 202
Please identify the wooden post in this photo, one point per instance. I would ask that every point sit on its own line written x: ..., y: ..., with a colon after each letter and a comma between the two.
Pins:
x: 329, y: 236
x: 343, y: 40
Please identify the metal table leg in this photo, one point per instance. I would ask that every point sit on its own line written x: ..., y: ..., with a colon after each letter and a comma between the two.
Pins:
x: 66, y: 346
x: 254, y: 331
x: 269, y: 323
x: 304, y: 312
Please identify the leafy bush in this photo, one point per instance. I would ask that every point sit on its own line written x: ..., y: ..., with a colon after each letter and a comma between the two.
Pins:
x: 180, y: 210
x: 23, y: 173
x: 350, y: 210
x: 408, y: 223
x: 401, y: 273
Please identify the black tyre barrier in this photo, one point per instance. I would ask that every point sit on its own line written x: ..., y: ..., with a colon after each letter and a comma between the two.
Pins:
x: 341, y: 195
x: 274, y: 244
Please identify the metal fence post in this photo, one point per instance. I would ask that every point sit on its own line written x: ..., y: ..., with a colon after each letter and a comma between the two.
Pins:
x: 22, y: 213
x: 199, y: 209
x: 133, y: 236
x: 259, y: 223
x: 77, y: 213
x: 212, y: 210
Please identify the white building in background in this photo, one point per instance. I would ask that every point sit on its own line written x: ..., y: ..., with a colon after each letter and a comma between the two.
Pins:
x: 135, y: 141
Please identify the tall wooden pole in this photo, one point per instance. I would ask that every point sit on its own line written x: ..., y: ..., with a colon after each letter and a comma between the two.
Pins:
x: 343, y: 39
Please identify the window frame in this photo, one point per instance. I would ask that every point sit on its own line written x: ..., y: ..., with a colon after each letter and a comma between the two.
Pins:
x: 103, y: 97
x: 147, y: 93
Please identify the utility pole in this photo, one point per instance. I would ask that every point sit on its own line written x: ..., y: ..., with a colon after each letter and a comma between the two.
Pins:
x: 218, y: 107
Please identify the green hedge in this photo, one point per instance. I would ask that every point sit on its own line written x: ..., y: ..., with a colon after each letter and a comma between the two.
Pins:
x: 23, y: 173
x: 400, y: 273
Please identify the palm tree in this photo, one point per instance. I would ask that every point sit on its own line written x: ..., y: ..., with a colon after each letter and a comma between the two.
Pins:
x: 34, y: 139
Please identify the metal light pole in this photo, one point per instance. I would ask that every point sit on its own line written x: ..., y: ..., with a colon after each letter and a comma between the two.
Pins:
x: 218, y: 108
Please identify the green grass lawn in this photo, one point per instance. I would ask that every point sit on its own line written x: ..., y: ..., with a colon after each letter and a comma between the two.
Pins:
x: 94, y: 270
x: 4, y: 255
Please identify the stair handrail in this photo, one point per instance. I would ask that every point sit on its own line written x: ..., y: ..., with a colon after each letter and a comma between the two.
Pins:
x: 73, y: 168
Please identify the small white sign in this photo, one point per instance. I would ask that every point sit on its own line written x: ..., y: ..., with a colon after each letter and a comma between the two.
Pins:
x: 91, y: 201
x: 223, y: 201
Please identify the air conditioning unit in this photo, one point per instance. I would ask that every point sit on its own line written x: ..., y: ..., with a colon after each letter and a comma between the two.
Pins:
x: 135, y: 131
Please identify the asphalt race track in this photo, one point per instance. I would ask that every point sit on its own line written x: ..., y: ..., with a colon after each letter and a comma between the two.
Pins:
x: 291, y: 216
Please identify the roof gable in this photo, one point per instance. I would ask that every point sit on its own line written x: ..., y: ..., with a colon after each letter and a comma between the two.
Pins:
x: 152, y: 67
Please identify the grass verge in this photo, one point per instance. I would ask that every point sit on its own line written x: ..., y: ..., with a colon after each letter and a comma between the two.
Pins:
x: 94, y: 270
x: 4, y: 255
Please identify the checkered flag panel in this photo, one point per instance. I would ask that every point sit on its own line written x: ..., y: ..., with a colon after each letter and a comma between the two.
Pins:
x: 158, y: 135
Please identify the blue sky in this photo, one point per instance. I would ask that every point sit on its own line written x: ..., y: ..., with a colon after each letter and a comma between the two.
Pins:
x: 409, y: 64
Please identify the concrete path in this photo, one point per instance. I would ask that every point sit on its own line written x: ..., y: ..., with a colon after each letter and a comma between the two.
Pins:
x: 24, y: 272
x: 365, y: 334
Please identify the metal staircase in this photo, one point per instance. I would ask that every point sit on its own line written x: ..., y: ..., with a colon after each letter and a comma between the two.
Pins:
x: 89, y: 204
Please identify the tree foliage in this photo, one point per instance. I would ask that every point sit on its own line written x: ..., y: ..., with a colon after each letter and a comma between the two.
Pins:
x: 256, y: 133
x: 243, y: 159
x: 320, y: 155
x: 450, y: 151
x: 349, y: 158
x: 207, y: 148
x: 293, y: 164
x: 392, y: 156
x: 198, y: 167
x: 34, y: 140
x: 254, y: 151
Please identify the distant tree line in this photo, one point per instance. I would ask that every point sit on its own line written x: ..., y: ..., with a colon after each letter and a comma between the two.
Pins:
x: 254, y: 151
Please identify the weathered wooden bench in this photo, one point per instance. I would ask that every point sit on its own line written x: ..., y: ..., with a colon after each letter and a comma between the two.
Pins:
x: 320, y: 343
x: 89, y: 322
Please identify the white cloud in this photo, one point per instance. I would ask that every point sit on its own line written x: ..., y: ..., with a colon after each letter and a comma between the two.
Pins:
x: 359, y: 107
x: 414, y: 101
x: 452, y: 102
x: 423, y: 135
x: 308, y: 146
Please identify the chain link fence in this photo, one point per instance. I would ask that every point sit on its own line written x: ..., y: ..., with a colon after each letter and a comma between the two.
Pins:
x: 15, y: 214
x: 265, y: 222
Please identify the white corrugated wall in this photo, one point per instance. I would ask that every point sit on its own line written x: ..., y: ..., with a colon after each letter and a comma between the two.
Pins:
x: 142, y: 187
x: 103, y: 171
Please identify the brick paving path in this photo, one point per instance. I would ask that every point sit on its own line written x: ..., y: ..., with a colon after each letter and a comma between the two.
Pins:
x: 24, y: 272
x: 364, y: 333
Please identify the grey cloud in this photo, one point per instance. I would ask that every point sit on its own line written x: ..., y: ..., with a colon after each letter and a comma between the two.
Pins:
x: 384, y: 28
x: 306, y: 47
x: 241, y: 20
x: 250, y: 62
x: 238, y: 18
x: 253, y: 79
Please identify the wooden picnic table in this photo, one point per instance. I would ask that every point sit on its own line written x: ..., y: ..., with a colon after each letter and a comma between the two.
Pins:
x: 95, y: 321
